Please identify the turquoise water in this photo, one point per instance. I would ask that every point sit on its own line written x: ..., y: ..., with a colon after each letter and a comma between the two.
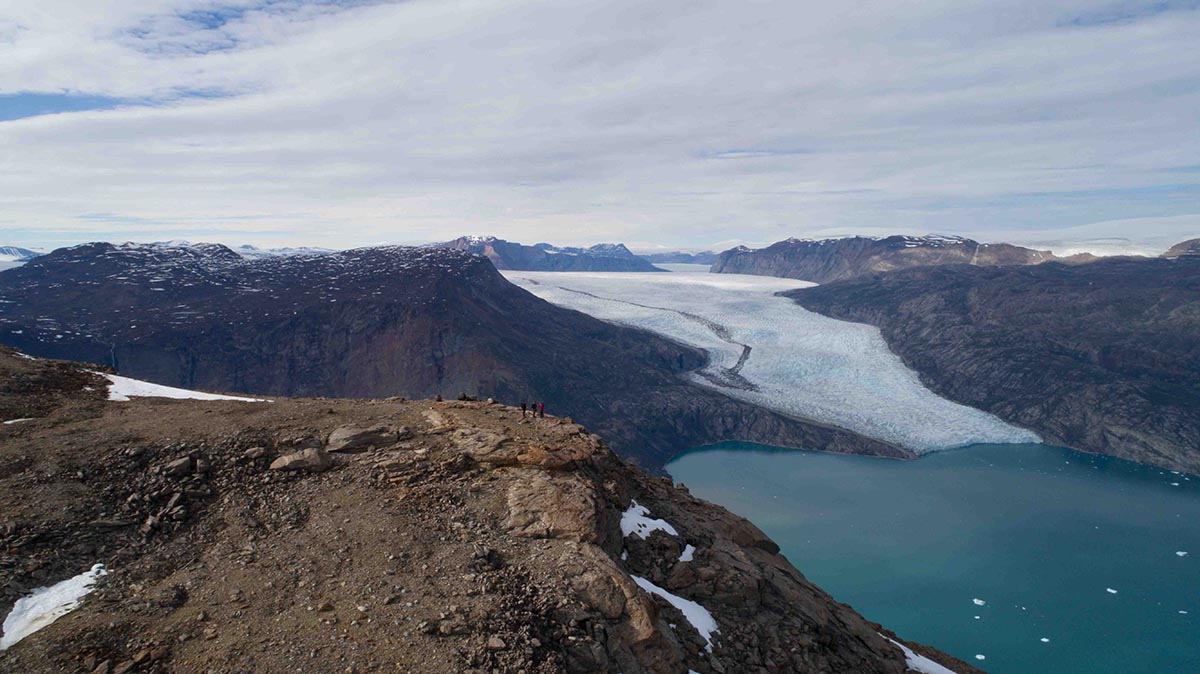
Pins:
x: 1040, y: 534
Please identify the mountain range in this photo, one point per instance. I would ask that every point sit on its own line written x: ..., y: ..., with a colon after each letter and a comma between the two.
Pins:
x: 376, y: 322
x: 825, y: 260
x: 545, y: 257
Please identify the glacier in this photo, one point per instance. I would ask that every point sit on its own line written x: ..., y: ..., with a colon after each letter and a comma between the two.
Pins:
x: 771, y: 352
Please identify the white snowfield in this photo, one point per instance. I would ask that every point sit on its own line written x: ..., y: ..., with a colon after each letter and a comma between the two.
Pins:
x: 768, y: 351
x: 696, y: 614
x: 47, y: 604
x: 123, y: 388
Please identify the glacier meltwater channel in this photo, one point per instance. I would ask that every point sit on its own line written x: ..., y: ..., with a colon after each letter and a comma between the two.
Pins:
x: 769, y: 351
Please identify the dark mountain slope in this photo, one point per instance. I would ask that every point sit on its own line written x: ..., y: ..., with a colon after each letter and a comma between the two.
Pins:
x: 374, y: 322
x: 544, y: 257
x: 825, y: 260
x: 1103, y: 357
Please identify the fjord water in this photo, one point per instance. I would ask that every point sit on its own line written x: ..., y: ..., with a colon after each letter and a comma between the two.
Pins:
x: 1042, y: 535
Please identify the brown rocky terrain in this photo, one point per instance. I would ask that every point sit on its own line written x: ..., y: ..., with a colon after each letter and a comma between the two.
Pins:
x: 317, y: 535
x: 1189, y: 248
x: 376, y: 322
x: 826, y: 260
x: 1103, y: 357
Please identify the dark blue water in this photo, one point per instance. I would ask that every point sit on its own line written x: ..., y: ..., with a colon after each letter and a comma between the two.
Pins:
x: 1040, y: 534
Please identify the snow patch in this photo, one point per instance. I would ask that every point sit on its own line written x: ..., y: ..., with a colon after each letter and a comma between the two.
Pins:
x: 47, y: 604
x: 17, y: 421
x: 688, y: 551
x: 696, y: 614
x: 919, y: 663
x: 121, y: 389
x: 635, y: 522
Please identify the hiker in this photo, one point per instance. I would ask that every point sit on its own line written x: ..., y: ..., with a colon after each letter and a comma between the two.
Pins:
x: 522, y: 409
x: 542, y: 410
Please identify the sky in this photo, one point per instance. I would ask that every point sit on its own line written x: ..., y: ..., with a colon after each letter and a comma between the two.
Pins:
x: 1071, y: 124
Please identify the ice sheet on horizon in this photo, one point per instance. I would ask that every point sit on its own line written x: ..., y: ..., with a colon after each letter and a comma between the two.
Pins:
x: 801, y: 364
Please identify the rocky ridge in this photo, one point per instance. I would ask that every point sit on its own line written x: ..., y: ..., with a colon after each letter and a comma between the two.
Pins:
x: 545, y: 257
x: 826, y: 260
x: 383, y: 535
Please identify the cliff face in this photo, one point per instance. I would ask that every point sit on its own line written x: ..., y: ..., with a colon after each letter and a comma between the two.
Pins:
x: 336, y: 535
x: 1103, y: 357
x: 834, y: 259
x: 375, y: 322
x: 544, y: 257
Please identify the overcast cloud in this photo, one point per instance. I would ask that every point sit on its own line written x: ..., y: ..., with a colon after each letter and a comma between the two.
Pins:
x: 674, y: 123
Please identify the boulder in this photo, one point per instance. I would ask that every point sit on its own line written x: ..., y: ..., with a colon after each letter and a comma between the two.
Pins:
x: 313, y: 460
x: 357, y: 439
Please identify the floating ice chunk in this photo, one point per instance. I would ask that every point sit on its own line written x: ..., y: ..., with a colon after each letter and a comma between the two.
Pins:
x: 1045, y: 640
x: 1110, y: 590
x: 686, y: 555
x: 1183, y: 613
x: 47, y: 604
x: 919, y: 663
x: 979, y: 602
x: 121, y: 389
x: 1181, y: 553
x: 980, y: 656
x: 635, y: 522
x: 696, y: 614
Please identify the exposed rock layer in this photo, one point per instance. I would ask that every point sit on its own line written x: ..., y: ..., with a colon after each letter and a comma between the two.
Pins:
x: 1102, y: 357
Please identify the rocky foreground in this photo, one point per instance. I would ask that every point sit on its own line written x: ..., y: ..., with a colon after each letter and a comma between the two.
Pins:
x: 382, y: 535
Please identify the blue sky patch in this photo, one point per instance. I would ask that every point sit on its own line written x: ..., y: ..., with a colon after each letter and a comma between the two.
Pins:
x: 19, y: 106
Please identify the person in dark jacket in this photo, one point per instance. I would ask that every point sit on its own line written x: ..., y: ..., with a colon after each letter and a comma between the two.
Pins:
x: 523, y: 407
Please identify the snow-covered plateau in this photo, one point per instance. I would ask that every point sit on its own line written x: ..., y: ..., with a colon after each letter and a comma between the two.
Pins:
x: 769, y: 351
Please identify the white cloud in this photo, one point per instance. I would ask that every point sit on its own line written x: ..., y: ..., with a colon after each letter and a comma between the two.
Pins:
x: 675, y: 122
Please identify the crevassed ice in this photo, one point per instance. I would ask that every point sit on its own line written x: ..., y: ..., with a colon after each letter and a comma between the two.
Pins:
x: 47, y: 604
x: 123, y: 388
x: 800, y: 363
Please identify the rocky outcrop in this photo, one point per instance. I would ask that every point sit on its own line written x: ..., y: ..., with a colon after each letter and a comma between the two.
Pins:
x: 1102, y: 357
x: 826, y: 260
x: 544, y: 257
x: 375, y: 322
x: 470, y: 546
x: 1189, y: 248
